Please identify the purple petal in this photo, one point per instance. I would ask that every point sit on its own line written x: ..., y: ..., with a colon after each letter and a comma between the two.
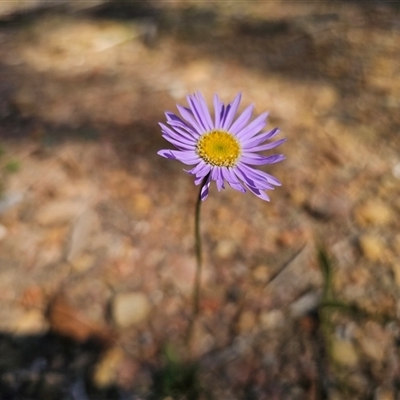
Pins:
x: 241, y: 174
x: 222, y: 115
x: 214, y: 173
x: 200, y: 170
x: 254, y: 127
x: 252, y: 180
x: 231, y: 112
x: 181, y: 126
x: 259, y: 193
x: 205, y: 111
x: 217, y: 177
x: 185, y: 157
x: 179, y: 145
x: 257, y: 175
x: 218, y: 109
x: 256, y: 159
x: 254, y: 187
x: 243, y: 119
x: 177, y: 135
x: 264, y: 147
x: 232, y: 180
x: 205, y: 189
x: 188, y: 116
x: 171, y: 117
x: 197, y: 112
x: 256, y: 140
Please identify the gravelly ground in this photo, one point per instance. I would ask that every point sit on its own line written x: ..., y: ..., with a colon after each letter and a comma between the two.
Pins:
x: 96, y: 231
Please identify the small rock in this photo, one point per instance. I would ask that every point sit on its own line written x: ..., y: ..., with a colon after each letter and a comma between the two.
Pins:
x: 31, y: 322
x: 396, y: 244
x: 247, y: 321
x: 141, y: 204
x: 375, y: 213
x: 33, y: 297
x: 106, y: 371
x: 328, y: 205
x: 83, y: 262
x: 372, y: 247
x: 272, y: 319
x: 130, y: 308
x: 304, y: 304
x: 57, y: 212
x: 374, y: 340
x: 225, y: 248
x: 180, y: 271
x: 201, y: 341
x: 383, y: 393
x: 3, y: 232
x: 293, y: 237
x: 71, y: 322
x: 299, y: 196
x: 261, y: 274
x: 334, y: 394
x: 81, y: 233
x: 372, y: 348
x: 172, y: 305
x: 396, y: 273
x: 9, y: 200
x: 197, y: 72
x: 344, y: 353
x: 326, y: 98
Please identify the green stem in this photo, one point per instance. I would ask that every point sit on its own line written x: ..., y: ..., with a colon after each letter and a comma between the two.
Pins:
x: 199, y: 261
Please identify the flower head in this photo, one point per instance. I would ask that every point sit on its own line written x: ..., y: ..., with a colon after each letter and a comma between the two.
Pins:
x: 222, y: 149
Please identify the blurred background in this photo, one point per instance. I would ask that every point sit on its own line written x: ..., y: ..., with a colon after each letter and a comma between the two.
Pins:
x: 300, y: 296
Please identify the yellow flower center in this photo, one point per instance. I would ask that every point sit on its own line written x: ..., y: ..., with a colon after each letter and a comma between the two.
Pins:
x: 218, y: 148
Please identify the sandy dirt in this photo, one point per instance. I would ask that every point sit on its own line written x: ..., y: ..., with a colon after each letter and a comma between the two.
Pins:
x: 300, y: 296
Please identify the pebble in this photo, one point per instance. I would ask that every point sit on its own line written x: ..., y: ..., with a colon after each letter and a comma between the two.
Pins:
x: 180, y: 271
x: 247, y: 321
x: 261, y: 274
x: 201, y: 341
x: 328, y: 205
x: 106, y: 371
x: 225, y: 248
x: 343, y: 352
x: 374, y: 213
x: 334, y: 394
x: 396, y: 273
x: 272, y: 319
x: 83, y: 262
x: 130, y: 309
x: 3, y: 232
x: 306, y: 303
x: 31, y: 322
x: 141, y: 205
x: 71, y: 322
x: 396, y: 244
x: 326, y: 98
x: 372, y: 247
x: 299, y: 196
x: 9, y: 200
x: 383, y: 393
x: 372, y: 348
x: 81, y: 234
x: 58, y: 212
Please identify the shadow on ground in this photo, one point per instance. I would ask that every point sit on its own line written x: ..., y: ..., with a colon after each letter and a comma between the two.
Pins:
x: 49, y: 367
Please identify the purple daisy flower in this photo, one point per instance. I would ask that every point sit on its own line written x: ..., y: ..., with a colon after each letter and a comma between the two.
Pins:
x: 222, y: 150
